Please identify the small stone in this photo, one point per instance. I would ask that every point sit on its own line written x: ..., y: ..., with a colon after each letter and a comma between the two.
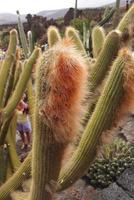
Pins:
x: 113, y: 192
x: 126, y: 181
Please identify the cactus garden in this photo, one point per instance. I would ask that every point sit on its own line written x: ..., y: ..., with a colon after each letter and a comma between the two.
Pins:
x: 64, y: 107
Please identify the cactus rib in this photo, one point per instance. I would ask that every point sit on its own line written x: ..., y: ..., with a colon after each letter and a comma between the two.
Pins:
x: 108, y: 104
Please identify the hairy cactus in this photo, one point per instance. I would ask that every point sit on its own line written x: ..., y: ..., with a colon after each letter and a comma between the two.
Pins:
x: 61, y: 80
x: 110, y: 163
x: 126, y: 20
x: 116, y: 99
x: 53, y: 36
x: 74, y: 36
x: 98, y: 37
x: 60, y: 92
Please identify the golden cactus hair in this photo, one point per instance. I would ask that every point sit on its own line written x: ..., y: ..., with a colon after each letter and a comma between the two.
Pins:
x: 60, y: 90
x: 53, y: 35
x: 62, y: 107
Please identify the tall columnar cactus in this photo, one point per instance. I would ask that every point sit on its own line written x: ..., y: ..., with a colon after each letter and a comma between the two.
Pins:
x: 73, y: 34
x: 7, y: 63
x: 21, y: 85
x: 3, y: 164
x: 98, y: 37
x: 11, y: 144
x: 22, y: 36
x: 107, y: 18
x: 8, y: 110
x: 61, y: 78
x: 115, y: 100
x: 84, y: 34
x: 14, y: 159
x: 106, y: 56
x: 10, y: 80
x: 101, y: 67
x: 27, y: 52
x: 61, y: 85
x: 30, y: 41
x: 6, y: 72
x: 11, y: 93
x: 106, y: 12
x: 16, y: 179
x: 116, y: 16
x: 53, y: 36
x: 126, y: 20
x: 18, y: 71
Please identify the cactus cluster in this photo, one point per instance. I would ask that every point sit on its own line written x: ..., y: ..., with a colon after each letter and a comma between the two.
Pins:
x: 14, y: 77
x: 64, y: 85
x: 110, y: 163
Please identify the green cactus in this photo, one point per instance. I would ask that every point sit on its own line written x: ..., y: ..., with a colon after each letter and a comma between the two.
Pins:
x: 22, y: 36
x: 106, y: 12
x: 18, y: 195
x: 13, y: 159
x: 11, y: 146
x: 16, y: 179
x: 73, y: 34
x: 7, y: 63
x: 27, y: 52
x: 107, y: 18
x: 98, y: 37
x: 113, y: 96
x: 8, y: 110
x: 30, y: 41
x: 116, y: 16
x: 100, y: 68
x: 126, y: 20
x: 49, y: 124
x: 3, y: 164
x: 21, y: 85
x: 9, y: 171
x: 84, y: 34
x: 110, y: 163
x: 17, y: 73
x: 10, y: 81
x: 103, y: 62
x: 53, y: 36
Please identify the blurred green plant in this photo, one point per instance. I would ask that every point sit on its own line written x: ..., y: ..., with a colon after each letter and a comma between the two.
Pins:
x: 78, y: 24
x: 4, y: 39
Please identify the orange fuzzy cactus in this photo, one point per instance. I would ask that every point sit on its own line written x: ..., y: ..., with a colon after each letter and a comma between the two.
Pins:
x: 64, y: 79
x: 60, y: 94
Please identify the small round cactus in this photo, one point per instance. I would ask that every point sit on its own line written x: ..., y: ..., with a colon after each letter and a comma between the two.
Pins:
x: 112, y: 161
